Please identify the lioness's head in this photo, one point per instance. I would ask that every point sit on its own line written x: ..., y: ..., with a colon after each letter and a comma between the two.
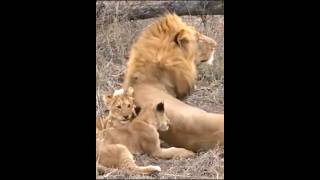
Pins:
x: 121, y: 105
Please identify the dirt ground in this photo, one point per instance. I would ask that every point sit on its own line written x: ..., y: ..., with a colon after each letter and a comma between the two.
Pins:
x: 113, y: 42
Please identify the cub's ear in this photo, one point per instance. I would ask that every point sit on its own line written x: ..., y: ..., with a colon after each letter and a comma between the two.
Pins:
x: 137, y: 109
x: 118, y: 92
x: 107, y: 99
x: 160, y: 107
x: 182, y: 38
x: 130, y: 91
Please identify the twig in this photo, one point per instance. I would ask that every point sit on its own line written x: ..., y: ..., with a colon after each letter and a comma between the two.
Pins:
x: 108, y: 174
x: 183, y: 176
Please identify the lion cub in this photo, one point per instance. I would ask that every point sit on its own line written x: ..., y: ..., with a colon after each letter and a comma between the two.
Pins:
x: 121, y: 112
x: 140, y: 135
x: 117, y: 156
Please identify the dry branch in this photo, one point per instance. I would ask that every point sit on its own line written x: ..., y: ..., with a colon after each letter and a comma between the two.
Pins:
x: 132, y: 10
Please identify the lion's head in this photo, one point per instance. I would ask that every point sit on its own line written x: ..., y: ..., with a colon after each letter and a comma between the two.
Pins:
x: 168, y: 52
x: 195, y: 46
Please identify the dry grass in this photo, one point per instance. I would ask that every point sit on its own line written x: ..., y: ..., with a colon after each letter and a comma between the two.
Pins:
x: 113, y: 42
x: 206, y: 165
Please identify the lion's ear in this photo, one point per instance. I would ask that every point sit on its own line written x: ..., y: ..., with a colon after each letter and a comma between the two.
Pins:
x: 182, y: 38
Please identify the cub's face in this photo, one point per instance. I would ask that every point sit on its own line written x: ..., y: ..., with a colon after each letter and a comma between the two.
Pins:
x: 121, y: 106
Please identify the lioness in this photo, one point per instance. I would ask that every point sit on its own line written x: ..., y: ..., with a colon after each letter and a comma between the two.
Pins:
x: 162, y: 66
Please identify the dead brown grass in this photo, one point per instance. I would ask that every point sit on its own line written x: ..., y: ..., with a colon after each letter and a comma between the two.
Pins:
x: 113, y: 42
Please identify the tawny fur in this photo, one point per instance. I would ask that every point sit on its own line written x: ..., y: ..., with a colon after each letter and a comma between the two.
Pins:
x: 121, y: 109
x: 117, y: 143
x: 141, y: 135
x: 162, y: 66
x: 118, y: 156
x: 121, y: 112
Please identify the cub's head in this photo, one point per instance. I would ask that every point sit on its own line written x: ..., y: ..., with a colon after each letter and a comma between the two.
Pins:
x: 155, y: 115
x: 121, y: 105
x: 161, y: 118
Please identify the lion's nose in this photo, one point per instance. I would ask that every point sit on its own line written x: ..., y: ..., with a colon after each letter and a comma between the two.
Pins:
x: 126, y: 117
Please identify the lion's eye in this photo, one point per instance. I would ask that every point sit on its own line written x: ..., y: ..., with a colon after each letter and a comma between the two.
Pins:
x: 119, y: 106
x: 128, y: 105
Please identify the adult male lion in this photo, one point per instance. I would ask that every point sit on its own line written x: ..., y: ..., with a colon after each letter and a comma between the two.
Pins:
x: 162, y: 66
